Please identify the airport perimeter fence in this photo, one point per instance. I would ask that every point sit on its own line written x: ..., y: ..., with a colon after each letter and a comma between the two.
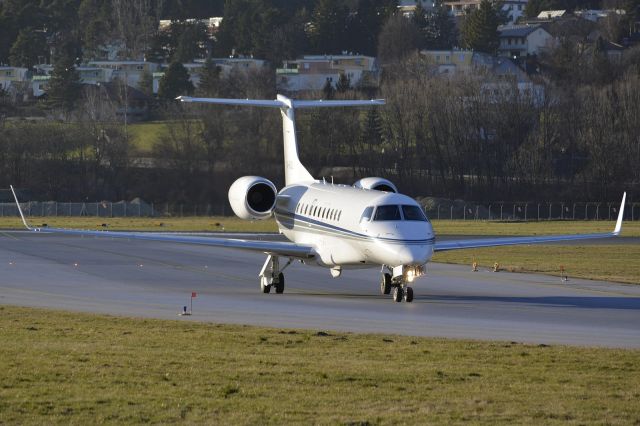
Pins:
x: 112, y: 209
x: 456, y: 210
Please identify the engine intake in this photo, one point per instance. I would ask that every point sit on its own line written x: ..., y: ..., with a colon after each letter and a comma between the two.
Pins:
x: 253, y: 197
x: 376, y: 183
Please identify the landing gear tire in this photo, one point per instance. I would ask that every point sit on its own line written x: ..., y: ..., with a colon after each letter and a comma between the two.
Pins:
x: 264, y: 285
x: 397, y: 294
x: 385, y: 284
x: 279, y: 285
x: 408, y: 295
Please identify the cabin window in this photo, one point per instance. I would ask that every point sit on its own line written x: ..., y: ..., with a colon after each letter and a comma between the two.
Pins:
x: 339, y: 214
x: 413, y: 213
x: 387, y: 212
x: 333, y: 214
x: 366, y: 214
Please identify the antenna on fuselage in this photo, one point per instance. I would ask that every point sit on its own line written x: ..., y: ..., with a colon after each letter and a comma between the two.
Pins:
x: 294, y: 171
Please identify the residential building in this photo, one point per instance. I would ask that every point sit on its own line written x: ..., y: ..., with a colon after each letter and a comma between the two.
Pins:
x: 88, y: 75
x: 496, y: 71
x: 522, y: 40
x: 312, y: 72
x: 9, y: 76
x: 211, y: 24
x: 227, y: 66
x: 597, y: 15
x: 514, y: 9
x: 451, y: 61
x: 126, y: 71
x: 407, y: 7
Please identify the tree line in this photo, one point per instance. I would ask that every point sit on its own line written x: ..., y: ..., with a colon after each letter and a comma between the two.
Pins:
x: 476, y: 137
x: 471, y: 137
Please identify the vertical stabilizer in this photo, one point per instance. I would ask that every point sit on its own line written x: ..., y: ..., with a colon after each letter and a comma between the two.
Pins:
x: 294, y: 171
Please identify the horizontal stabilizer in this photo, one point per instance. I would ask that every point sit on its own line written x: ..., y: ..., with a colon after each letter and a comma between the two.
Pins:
x: 280, y: 104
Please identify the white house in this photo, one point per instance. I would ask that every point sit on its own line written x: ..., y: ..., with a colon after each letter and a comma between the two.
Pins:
x: 126, y: 71
x: 497, y: 73
x: 522, y: 40
x: 9, y: 76
x: 312, y: 72
x: 514, y: 9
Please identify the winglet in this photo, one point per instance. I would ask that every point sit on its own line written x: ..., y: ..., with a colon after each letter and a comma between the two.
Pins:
x: 620, y: 215
x: 20, y: 209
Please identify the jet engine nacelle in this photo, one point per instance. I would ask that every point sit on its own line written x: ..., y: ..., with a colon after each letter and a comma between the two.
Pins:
x: 377, y: 183
x: 253, y: 197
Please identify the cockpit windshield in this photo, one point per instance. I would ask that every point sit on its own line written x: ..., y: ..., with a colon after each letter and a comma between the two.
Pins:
x: 394, y: 212
x: 388, y: 212
x: 413, y: 213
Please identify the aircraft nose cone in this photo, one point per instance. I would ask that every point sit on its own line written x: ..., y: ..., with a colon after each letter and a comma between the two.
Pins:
x: 413, y: 255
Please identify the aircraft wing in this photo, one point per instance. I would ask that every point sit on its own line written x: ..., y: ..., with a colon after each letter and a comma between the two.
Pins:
x: 279, y: 248
x: 511, y: 241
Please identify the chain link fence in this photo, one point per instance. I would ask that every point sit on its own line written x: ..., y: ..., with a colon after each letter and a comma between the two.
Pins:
x: 450, y: 210
x: 459, y: 210
x: 113, y: 209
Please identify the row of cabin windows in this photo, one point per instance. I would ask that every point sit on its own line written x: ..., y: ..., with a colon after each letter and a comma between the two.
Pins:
x: 320, y: 212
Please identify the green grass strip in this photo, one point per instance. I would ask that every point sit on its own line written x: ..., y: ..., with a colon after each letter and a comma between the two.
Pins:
x: 69, y: 368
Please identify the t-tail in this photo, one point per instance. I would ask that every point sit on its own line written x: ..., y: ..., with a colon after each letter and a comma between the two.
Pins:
x: 294, y: 170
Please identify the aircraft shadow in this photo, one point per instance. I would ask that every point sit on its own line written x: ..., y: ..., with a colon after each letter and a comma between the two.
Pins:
x: 626, y: 303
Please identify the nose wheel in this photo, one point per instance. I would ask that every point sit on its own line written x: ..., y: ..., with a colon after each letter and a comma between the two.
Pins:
x: 398, y: 290
x: 385, y: 284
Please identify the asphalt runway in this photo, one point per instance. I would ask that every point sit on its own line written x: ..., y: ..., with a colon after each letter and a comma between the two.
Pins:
x: 151, y: 279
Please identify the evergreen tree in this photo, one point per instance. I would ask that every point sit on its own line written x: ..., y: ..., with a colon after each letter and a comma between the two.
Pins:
x: 328, y: 90
x: 440, y: 31
x: 399, y: 38
x: 632, y: 7
x: 190, y: 43
x: 343, y: 84
x: 146, y: 83
x: 63, y: 89
x: 209, y: 79
x: 175, y: 82
x: 480, y: 28
x: 289, y: 40
x: 363, y: 27
x: 156, y: 51
x: 29, y: 45
x: 328, y: 26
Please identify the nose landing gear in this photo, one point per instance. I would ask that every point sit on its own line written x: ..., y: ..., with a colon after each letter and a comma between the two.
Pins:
x: 397, y: 287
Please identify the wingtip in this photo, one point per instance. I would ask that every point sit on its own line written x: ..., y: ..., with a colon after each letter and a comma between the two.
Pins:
x: 618, y: 228
x: 15, y: 197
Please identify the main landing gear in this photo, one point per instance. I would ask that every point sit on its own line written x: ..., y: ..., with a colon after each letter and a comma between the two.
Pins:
x: 271, y: 275
x: 398, y: 288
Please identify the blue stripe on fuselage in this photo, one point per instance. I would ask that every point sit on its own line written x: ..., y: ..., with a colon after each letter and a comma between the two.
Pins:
x: 286, y: 215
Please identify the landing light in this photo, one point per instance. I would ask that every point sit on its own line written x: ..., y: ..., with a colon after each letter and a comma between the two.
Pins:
x: 412, y: 272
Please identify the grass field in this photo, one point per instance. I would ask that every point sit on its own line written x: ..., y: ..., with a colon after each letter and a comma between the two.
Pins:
x: 68, y: 368
x: 604, y: 262
x: 145, y: 135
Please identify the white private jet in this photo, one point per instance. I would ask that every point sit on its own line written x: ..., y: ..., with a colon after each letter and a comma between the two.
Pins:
x: 334, y: 226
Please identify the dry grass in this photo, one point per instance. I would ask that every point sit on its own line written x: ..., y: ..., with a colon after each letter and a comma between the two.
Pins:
x: 67, y: 368
x: 619, y: 263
